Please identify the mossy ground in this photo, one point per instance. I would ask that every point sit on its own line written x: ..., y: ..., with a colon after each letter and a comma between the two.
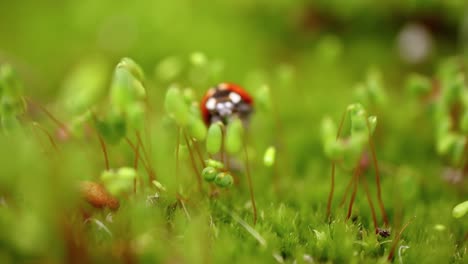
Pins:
x: 310, y: 76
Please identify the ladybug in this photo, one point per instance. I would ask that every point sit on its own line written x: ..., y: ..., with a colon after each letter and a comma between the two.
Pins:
x: 225, y: 101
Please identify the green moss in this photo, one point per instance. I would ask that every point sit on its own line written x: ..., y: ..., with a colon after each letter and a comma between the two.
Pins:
x: 300, y: 62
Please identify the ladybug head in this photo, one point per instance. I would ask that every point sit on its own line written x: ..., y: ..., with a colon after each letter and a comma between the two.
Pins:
x: 225, y: 101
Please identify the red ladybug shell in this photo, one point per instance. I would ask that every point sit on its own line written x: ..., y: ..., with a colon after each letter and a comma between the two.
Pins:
x: 235, y: 98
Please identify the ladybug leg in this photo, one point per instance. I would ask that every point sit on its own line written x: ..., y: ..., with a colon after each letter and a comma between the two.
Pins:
x: 244, y: 111
x: 216, y: 118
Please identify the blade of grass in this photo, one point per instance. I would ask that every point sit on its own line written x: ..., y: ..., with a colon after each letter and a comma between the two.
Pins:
x: 245, y: 225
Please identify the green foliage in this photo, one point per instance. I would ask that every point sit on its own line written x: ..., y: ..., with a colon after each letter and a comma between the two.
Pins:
x: 263, y: 98
x: 450, y: 111
x: 127, y: 87
x: 126, y: 107
x: 12, y: 103
x: 113, y: 129
x: 168, y: 69
x: 371, y: 93
x: 119, y: 181
x: 135, y: 70
x: 348, y: 149
x: 418, y: 85
x: 85, y: 85
x: 176, y: 106
x: 182, y: 109
x: 300, y: 59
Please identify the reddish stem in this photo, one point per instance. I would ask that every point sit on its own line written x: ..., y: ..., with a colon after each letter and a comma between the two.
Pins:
x: 49, y: 136
x: 464, y: 159
x: 147, y: 169
x: 194, y: 165
x: 39, y: 139
x: 357, y: 172
x: 332, y: 187
x: 348, y: 188
x: 200, y: 155
x: 103, y: 145
x: 369, y: 200
x: 49, y: 114
x: 152, y: 175
x: 135, y: 165
x: 377, y: 175
x: 104, y: 151
x: 177, y: 157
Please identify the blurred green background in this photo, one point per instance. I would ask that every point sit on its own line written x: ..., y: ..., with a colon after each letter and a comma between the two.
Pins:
x: 310, y: 53
x: 45, y: 39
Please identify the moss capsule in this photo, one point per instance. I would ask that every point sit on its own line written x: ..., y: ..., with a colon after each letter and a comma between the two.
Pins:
x: 196, y: 128
x: 209, y: 174
x: 269, y: 157
x: 214, y: 138
x: 234, y: 136
x: 224, y: 180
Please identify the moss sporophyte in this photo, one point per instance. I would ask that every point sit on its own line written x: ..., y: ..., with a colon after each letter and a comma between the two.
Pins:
x: 223, y: 112
x: 350, y: 153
